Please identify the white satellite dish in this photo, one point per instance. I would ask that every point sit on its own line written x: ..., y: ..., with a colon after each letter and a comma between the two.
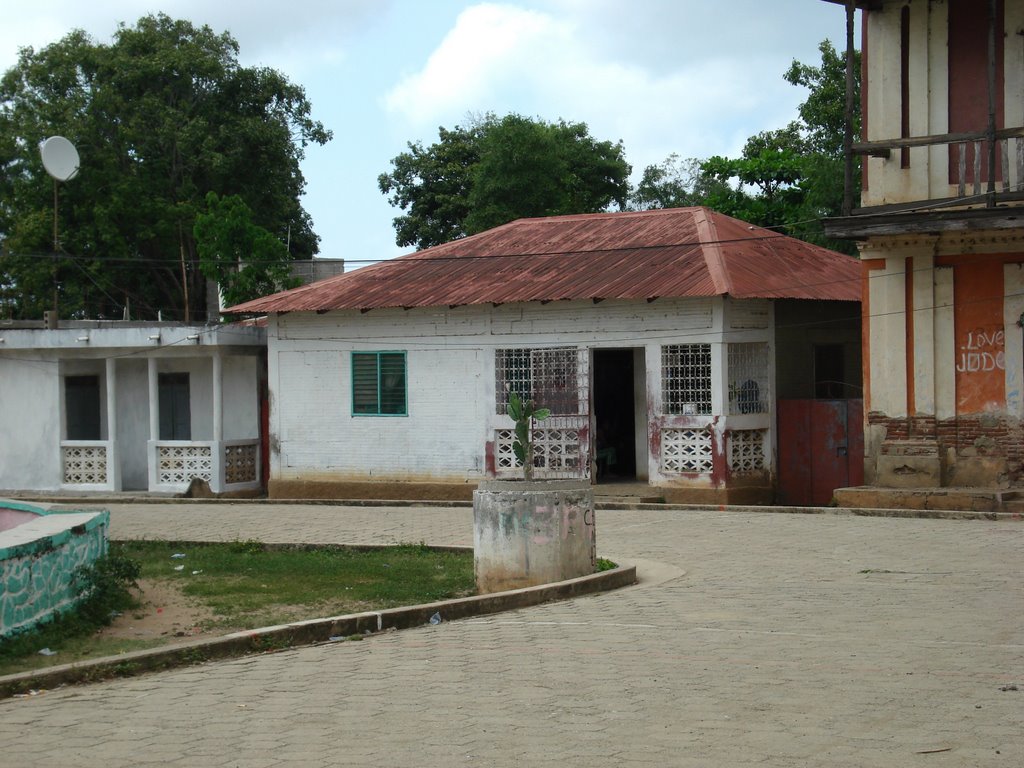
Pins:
x: 60, y: 158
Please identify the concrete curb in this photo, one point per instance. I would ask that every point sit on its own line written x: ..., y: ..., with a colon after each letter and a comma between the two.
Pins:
x: 309, y: 632
x: 78, y: 502
x: 924, y: 514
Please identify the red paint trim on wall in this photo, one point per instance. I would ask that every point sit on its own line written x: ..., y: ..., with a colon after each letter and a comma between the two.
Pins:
x: 489, y: 461
x: 264, y: 436
x: 908, y: 315
x: 654, y: 441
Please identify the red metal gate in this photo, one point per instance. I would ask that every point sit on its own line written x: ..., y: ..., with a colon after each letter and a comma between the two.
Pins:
x: 820, y: 448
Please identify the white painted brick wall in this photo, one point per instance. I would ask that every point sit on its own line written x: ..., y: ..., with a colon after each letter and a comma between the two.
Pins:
x: 450, y: 369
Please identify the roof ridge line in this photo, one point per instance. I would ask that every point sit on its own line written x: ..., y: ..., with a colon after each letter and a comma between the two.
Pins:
x: 711, y: 250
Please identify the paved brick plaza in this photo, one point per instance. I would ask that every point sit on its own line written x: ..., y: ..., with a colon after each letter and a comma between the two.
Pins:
x: 752, y: 639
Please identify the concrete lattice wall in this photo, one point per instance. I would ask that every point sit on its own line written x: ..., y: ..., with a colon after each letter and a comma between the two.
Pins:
x: 38, y: 560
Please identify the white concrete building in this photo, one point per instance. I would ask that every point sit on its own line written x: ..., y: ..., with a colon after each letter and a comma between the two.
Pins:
x: 120, y: 406
x: 651, y: 337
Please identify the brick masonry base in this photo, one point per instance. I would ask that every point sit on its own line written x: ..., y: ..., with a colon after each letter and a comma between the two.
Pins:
x: 971, y: 450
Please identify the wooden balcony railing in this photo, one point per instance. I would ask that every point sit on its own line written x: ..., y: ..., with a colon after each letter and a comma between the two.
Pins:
x: 987, y: 164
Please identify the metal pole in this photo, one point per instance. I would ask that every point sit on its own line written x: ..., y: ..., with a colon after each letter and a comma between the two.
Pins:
x: 848, y: 117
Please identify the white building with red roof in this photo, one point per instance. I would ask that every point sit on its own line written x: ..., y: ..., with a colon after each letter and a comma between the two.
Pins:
x: 661, y: 341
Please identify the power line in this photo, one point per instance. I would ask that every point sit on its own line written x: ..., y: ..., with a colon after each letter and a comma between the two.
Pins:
x: 614, y: 338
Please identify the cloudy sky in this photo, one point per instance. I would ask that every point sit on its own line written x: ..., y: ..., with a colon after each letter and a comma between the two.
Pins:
x: 695, y: 77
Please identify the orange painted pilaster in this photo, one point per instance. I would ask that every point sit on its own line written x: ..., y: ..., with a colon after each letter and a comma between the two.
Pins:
x: 980, y: 357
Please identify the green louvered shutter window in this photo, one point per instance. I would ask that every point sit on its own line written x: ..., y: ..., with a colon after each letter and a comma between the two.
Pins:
x: 378, y: 384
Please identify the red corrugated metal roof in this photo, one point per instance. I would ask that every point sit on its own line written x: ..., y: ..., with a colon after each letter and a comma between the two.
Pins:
x: 670, y: 253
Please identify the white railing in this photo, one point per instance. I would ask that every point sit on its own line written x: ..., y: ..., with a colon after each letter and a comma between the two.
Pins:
x: 87, y: 464
x: 180, y: 461
x: 226, y: 465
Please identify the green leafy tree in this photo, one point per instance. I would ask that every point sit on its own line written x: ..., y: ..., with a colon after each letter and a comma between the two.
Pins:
x: 497, y: 170
x: 771, y: 167
x: 666, y: 185
x: 245, y: 259
x: 822, y: 114
x: 788, y: 178
x: 161, y: 116
x: 433, y: 184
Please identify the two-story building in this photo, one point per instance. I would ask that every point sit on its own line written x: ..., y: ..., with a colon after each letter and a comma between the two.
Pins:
x: 941, y: 240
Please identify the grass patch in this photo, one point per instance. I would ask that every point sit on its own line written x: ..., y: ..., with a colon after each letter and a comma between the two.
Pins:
x: 67, y: 649
x: 105, y: 588
x: 247, y: 585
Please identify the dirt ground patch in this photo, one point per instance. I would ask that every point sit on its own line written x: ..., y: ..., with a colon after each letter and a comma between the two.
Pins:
x: 168, y: 616
x: 164, y: 614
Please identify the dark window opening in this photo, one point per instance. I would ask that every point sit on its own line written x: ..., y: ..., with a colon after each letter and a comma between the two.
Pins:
x: 175, y: 406
x: 829, y: 381
x: 82, y: 407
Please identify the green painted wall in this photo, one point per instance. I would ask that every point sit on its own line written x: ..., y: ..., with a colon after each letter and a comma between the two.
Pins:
x: 38, y: 561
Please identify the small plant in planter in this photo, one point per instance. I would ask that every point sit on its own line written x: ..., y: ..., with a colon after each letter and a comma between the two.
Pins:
x: 525, y: 534
x: 524, y: 414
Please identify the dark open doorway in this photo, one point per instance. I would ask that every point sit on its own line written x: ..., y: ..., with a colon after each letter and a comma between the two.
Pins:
x: 614, y: 421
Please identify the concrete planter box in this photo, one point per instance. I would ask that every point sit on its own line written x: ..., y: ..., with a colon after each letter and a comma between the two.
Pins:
x: 527, y: 533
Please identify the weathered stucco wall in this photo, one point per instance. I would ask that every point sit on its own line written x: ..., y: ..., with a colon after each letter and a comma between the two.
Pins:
x: 949, y: 412
x: 30, y: 422
x: 446, y: 439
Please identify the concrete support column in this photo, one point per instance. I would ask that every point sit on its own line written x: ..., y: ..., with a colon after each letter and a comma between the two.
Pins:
x: 154, y: 399
x: 922, y: 296
x: 719, y: 379
x: 218, y: 398
x: 1013, y: 309
x: 113, y: 462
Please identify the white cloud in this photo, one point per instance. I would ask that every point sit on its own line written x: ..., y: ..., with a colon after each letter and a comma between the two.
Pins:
x: 292, y: 37
x: 504, y: 58
x: 490, y: 47
x: 687, y: 76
